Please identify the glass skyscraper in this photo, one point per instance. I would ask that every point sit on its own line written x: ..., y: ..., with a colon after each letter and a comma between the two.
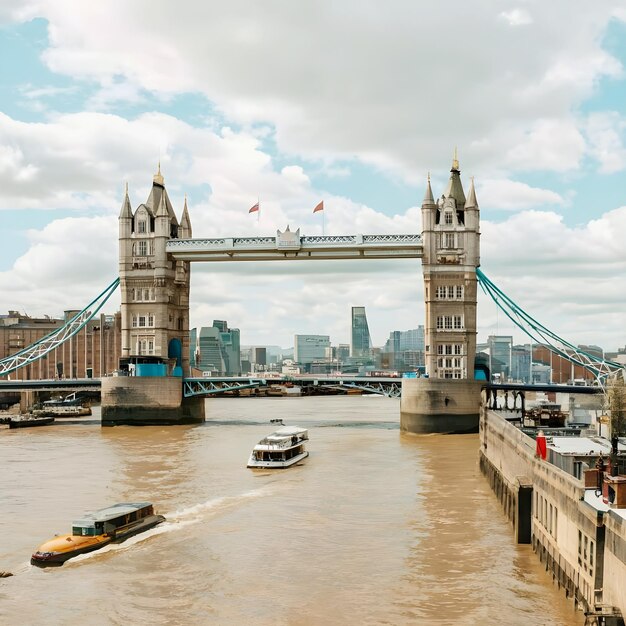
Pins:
x: 361, y: 342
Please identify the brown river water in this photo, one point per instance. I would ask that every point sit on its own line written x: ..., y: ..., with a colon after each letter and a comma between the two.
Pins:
x: 375, y: 527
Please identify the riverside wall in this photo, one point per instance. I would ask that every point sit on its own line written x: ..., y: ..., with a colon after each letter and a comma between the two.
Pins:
x: 148, y: 401
x: 583, y: 548
x: 439, y: 405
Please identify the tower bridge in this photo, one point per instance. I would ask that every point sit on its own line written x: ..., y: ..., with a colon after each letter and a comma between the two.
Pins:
x: 156, y: 250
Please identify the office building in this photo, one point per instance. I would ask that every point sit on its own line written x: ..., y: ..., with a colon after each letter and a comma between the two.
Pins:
x: 404, y: 350
x: 309, y: 348
x: 500, y: 348
x: 361, y: 341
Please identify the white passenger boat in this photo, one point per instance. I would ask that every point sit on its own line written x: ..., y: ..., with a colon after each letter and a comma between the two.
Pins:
x: 283, y: 448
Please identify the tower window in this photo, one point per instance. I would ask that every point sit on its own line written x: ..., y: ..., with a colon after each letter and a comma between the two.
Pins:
x: 142, y: 248
x: 448, y: 217
x: 141, y: 226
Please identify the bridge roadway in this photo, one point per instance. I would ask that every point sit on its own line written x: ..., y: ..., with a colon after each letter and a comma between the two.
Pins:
x: 217, y: 384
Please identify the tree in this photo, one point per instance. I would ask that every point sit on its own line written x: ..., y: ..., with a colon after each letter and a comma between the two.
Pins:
x: 617, y: 405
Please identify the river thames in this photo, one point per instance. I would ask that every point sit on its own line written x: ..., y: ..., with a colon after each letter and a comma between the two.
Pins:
x: 375, y: 527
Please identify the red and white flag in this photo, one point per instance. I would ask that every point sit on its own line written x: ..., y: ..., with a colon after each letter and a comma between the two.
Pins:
x: 254, y: 208
x: 319, y: 207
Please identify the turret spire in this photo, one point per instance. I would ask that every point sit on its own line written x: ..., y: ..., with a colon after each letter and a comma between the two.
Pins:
x: 471, y: 202
x: 428, y: 195
x: 126, y: 208
x: 185, y: 222
x: 455, y: 160
x: 158, y: 177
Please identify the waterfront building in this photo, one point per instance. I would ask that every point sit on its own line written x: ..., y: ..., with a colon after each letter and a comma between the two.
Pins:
x: 216, y: 349
x: 500, y: 348
x: 520, y: 363
x: 404, y: 350
x: 93, y: 352
x: 231, y: 347
x: 563, y: 371
x: 566, y: 496
x: 361, y: 341
x: 309, y: 348
x: 259, y: 358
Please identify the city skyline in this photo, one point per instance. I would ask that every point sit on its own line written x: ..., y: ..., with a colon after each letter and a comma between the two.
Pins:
x: 233, y: 122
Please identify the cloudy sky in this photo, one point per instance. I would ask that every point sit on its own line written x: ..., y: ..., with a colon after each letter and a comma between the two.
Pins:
x: 348, y: 102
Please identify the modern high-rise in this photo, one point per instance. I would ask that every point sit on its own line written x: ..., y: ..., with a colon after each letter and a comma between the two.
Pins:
x: 231, y: 347
x: 404, y: 349
x: 309, y: 348
x: 361, y: 342
x: 216, y: 349
x: 500, y: 355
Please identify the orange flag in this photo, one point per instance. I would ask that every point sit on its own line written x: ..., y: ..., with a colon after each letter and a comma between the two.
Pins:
x: 319, y: 207
x: 254, y: 208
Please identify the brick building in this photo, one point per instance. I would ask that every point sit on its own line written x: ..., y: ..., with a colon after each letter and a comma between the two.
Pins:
x: 93, y: 351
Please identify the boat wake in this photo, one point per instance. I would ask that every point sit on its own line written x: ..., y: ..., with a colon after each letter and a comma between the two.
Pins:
x: 178, y: 520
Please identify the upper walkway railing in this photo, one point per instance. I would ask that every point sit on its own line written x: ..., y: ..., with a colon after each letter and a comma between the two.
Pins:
x: 290, y: 245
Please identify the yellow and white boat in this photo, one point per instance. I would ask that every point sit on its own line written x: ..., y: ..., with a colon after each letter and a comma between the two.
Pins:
x: 96, y: 530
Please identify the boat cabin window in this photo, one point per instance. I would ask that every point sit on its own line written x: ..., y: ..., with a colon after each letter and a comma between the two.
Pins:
x: 83, y: 531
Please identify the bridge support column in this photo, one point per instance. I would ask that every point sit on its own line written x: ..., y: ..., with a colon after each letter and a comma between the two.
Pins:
x: 148, y: 401
x: 432, y: 405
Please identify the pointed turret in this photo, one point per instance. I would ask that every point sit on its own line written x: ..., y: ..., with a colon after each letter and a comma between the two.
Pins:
x: 127, y: 211
x: 429, y: 200
x: 185, y: 222
x: 471, y: 209
x: 429, y: 208
x: 455, y: 188
x: 471, y: 202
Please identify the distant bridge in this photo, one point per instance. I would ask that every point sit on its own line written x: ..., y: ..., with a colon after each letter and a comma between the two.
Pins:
x: 387, y: 386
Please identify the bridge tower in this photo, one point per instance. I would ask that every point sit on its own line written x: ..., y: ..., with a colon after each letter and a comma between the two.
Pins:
x: 154, y: 287
x: 448, y: 400
x: 155, y: 315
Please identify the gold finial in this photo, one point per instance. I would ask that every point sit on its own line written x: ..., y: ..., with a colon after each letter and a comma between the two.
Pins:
x: 455, y: 160
x: 158, y: 178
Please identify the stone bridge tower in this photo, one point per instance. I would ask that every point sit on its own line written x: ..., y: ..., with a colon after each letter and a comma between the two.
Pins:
x: 155, y: 288
x: 448, y: 400
x: 155, y: 318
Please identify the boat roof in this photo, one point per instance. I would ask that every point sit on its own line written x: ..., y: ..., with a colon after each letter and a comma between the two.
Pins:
x: 289, y: 431
x: 111, y: 512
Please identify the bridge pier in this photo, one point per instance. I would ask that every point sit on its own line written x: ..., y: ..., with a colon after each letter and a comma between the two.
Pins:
x: 437, y: 405
x: 148, y: 401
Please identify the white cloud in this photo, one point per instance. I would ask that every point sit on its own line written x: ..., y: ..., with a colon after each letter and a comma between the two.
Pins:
x: 605, y: 132
x: 356, y: 81
x: 511, y: 195
x: 569, y: 279
x: 550, y: 144
x: 517, y: 17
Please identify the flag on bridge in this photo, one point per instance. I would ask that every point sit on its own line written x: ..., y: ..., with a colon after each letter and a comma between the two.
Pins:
x: 254, y: 209
x: 319, y: 207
